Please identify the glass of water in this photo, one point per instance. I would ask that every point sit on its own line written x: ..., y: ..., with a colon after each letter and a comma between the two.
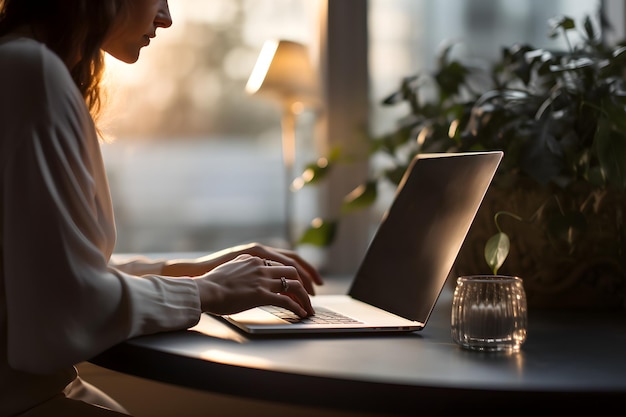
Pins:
x: 489, y: 313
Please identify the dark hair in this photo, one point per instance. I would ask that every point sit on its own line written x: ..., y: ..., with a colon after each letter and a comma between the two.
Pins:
x: 73, y: 29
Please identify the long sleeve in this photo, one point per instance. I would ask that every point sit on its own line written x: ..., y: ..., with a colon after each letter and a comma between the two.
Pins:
x: 64, y: 303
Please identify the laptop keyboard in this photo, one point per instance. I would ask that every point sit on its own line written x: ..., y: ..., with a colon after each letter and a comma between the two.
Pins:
x: 322, y: 316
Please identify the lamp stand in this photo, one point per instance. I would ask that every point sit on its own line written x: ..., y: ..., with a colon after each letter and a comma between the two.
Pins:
x: 288, y: 124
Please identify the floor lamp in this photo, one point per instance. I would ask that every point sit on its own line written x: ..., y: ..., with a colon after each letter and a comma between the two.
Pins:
x: 284, y: 73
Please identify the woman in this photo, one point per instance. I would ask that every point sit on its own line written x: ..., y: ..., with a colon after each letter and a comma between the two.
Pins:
x: 62, y: 301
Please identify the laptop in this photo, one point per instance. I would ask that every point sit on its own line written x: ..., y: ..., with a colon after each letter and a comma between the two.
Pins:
x: 409, y: 258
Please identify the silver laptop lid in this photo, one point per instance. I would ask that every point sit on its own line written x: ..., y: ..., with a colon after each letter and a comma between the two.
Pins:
x: 420, y: 236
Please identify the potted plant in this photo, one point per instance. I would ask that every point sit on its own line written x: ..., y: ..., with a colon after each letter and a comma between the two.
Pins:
x: 560, y: 118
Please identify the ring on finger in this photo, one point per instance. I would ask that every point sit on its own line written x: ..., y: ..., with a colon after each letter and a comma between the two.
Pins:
x: 283, y: 281
x: 267, y: 262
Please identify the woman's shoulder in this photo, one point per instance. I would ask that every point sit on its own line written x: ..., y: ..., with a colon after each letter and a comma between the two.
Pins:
x: 33, y: 76
x: 26, y: 56
x: 37, y: 91
x: 23, y: 50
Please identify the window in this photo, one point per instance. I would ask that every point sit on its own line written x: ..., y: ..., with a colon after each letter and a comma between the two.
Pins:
x: 195, y: 163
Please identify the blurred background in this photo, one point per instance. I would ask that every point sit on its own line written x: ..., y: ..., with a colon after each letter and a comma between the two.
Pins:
x: 195, y: 163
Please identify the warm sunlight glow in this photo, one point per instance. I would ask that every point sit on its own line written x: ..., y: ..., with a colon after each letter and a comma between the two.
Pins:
x: 317, y: 222
x: 453, y: 128
x: 298, y: 182
x: 297, y: 107
x: 214, y: 12
x: 232, y: 358
x: 119, y: 73
x: 423, y: 134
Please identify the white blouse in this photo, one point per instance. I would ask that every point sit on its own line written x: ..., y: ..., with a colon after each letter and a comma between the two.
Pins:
x: 61, y: 301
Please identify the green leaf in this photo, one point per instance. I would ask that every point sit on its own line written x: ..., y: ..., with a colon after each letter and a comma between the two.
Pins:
x: 444, y: 56
x: 595, y: 177
x: 316, y: 171
x: 611, y: 150
x: 496, y: 251
x: 614, y: 114
x: 560, y: 22
x: 321, y: 233
x: 589, y: 29
x: 521, y: 59
x: 451, y: 77
x: 619, y: 55
x: 573, y: 65
x: 362, y: 196
x: 567, y: 227
x: 542, y: 159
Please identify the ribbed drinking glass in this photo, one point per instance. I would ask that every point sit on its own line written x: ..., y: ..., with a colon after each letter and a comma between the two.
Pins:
x: 489, y: 313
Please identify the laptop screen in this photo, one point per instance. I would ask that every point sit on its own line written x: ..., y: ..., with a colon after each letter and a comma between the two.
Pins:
x: 418, y: 240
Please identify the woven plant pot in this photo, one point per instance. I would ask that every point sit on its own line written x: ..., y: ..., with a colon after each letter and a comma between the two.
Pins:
x: 569, y: 249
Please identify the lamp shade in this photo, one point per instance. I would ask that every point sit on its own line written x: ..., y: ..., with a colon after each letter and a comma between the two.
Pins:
x: 284, y: 70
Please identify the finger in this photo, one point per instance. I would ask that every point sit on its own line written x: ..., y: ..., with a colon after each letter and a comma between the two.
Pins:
x: 276, y: 269
x: 269, y: 262
x: 304, y: 268
x: 293, y: 289
x: 290, y: 275
x: 302, y: 274
x: 288, y: 303
x: 275, y: 272
x: 285, y: 284
x: 306, y: 271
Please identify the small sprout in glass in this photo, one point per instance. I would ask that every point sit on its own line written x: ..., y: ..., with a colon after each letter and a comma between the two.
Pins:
x: 498, y: 246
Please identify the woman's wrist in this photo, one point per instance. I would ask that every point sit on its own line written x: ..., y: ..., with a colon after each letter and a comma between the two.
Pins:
x: 184, y: 267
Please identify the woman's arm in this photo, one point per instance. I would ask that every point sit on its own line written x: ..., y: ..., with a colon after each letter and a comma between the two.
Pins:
x: 307, y: 274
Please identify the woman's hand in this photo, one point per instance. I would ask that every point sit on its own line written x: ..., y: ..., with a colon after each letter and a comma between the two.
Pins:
x: 249, y: 281
x: 306, y: 273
